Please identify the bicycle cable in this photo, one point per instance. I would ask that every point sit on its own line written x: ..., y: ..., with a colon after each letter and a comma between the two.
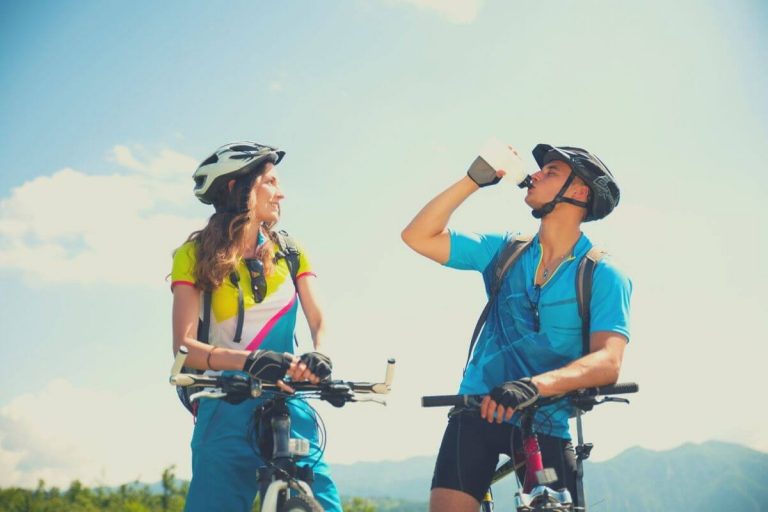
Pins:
x: 321, y: 434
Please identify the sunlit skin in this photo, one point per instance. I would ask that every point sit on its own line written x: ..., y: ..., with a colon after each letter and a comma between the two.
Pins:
x: 264, y: 204
x: 264, y: 207
x: 548, y: 181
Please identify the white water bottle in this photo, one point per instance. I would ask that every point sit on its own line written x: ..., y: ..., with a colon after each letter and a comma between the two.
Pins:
x: 500, y: 156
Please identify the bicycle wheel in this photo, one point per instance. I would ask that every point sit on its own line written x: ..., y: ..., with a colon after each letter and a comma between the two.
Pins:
x: 301, y: 503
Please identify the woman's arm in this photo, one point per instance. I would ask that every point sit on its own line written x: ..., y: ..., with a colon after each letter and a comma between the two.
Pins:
x: 186, y: 305
x: 309, y: 304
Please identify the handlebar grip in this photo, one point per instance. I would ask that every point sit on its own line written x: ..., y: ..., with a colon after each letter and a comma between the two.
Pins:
x: 390, y: 375
x: 446, y: 400
x: 616, y: 389
x: 178, y: 362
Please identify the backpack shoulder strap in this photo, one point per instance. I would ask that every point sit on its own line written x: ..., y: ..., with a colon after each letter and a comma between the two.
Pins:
x: 288, y: 249
x: 203, y: 334
x: 584, y: 292
x: 505, y: 258
x: 204, y: 325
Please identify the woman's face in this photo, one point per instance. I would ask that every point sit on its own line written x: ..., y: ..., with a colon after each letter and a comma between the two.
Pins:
x: 265, y: 196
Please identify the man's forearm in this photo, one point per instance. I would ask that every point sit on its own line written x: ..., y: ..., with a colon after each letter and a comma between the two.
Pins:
x: 599, y: 368
x: 433, y: 218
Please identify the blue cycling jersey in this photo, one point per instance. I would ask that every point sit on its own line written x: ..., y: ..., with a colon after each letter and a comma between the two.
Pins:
x: 510, y: 347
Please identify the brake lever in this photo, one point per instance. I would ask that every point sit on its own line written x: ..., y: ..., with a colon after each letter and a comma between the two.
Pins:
x: 613, y: 399
x: 369, y: 398
x: 207, y: 393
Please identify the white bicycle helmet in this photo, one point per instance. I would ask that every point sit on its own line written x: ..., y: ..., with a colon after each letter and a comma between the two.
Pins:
x: 228, y: 162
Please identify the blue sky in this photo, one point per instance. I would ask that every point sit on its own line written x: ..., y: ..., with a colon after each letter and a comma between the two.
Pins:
x: 106, y: 108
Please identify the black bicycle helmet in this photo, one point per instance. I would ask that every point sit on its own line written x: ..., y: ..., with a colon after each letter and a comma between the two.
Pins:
x: 228, y: 162
x: 605, y: 192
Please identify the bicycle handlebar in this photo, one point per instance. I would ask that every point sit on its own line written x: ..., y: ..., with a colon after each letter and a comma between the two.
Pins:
x: 474, y: 400
x: 221, y: 386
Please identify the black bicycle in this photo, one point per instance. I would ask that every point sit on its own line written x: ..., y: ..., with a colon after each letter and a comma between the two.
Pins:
x: 533, y: 493
x: 284, y: 485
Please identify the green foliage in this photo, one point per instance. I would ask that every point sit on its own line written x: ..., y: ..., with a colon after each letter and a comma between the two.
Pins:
x: 358, y: 505
x: 78, y: 498
x: 135, y: 497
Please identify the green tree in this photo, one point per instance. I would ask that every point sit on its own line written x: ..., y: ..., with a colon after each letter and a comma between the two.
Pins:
x: 359, y: 505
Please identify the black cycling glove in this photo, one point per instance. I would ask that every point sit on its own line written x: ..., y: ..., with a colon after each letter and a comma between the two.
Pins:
x: 267, y: 365
x: 515, y: 394
x: 482, y: 173
x: 317, y: 363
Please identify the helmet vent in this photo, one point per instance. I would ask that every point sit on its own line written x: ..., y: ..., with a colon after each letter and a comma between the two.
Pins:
x: 245, y: 148
x: 210, y: 160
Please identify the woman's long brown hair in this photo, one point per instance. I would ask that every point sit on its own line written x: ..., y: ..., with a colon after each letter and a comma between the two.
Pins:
x: 219, y: 245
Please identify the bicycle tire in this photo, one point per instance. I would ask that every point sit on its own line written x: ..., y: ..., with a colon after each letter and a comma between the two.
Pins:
x: 301, y: 503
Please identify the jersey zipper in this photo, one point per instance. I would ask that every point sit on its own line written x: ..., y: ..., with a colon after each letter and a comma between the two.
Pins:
x: 541, y: 256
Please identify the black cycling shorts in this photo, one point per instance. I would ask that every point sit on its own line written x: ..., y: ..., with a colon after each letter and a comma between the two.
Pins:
x: 470, y: 452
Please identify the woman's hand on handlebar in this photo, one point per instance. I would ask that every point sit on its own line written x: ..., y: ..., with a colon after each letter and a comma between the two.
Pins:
x: 301, y: 369
x: 273, y: 366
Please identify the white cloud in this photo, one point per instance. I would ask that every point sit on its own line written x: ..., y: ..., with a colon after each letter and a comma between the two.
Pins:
x: 456, y: 11
x: 111, y: 229
x: 167, y: 163
x: 124, y: 156
x: 63, y: 433
x: 275, y: 86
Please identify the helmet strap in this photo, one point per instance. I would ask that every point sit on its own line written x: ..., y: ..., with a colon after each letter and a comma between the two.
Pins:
x: 559, y: 198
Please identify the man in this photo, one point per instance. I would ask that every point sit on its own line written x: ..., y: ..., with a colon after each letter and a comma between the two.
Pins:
x: 531, y: 344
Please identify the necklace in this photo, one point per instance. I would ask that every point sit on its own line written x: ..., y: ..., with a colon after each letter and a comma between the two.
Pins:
x: 552, y: 267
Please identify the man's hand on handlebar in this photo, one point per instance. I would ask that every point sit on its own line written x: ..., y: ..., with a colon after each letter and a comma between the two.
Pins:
x: 504, y: 399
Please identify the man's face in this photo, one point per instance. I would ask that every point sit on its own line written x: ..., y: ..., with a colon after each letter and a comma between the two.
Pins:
x: 547, y: 183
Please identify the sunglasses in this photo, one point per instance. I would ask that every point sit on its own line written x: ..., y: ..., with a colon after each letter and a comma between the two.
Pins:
x: 533, y: 298
x: 258, y: 280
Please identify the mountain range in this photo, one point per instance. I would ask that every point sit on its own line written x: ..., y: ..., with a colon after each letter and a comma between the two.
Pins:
x: 712, y: 476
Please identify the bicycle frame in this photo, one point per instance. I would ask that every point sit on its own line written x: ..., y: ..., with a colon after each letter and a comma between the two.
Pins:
x: 537, y: 477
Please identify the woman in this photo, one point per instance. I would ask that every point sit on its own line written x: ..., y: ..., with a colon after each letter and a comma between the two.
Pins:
x: 239, y: 260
